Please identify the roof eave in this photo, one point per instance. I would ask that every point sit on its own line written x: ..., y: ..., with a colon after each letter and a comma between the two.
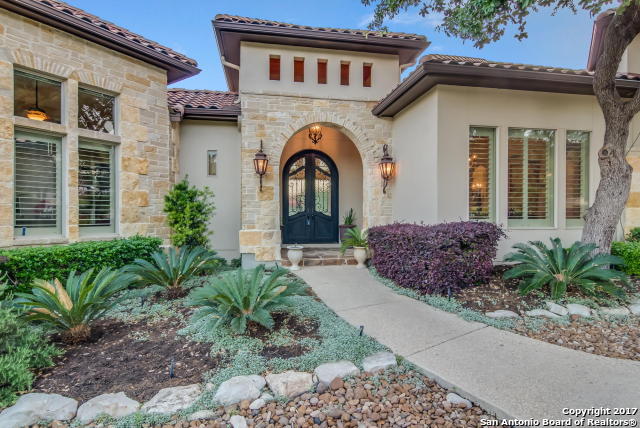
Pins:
x: 306, y: 37
x: 220, y: 115
x: 432, y: 74
x: 176, y: 69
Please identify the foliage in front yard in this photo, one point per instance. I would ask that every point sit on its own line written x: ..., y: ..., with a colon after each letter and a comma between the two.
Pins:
x: 629, y: 251
x: 437, y: 258
x: 22, y: 349
x: 189, y: 211
x: 72, y: 307
x: 562, y: 268
x: 24, y: 265
x: 171, y: 269
x: 337, y: 340
x: 237, y: 297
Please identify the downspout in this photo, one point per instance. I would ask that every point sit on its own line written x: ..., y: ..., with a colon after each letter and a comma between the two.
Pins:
x: 228, y: 64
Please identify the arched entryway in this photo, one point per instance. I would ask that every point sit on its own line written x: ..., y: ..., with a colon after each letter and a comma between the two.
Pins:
x: 310, y: 199
x: 320, y: 182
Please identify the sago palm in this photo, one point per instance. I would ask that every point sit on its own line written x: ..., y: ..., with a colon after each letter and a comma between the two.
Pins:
x: 173, y: 268
x: 561, y: 268
x: 70, y: 308
x: 235, y: 298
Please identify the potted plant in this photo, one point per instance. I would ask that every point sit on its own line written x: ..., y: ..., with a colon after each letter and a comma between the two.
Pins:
x: 294, y: 254
x: 348, y: 222
x: 357, y: 239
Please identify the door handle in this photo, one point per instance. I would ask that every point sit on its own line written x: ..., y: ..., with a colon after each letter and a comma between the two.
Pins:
x: 308, y: 220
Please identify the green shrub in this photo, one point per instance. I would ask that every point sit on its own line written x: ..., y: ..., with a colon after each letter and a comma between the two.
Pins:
x: 171, y: 269
x: 22, y: 349
x: 354, y: 238
x: 234, y: 298
x: 189, y: 211
x: 71, y: 308
x: 634, y: 235
x: 24, y: 265
x: 561, y: 268
x: 629, y: 251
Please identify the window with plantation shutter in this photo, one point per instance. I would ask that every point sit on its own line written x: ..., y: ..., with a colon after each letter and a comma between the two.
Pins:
x: 481, y: 173
x: 37, y: 184
x: 530, y: 177
x: 577, y: 176
x: 95, y: 188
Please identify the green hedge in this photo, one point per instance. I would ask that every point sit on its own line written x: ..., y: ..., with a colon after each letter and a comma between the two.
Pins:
x: 23, y: 265
x: 630, y: 252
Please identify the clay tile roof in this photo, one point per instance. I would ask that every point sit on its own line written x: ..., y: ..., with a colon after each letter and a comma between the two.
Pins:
x: 212, y: 101
x: 272, y: 24
x: 81, y: 15
x: 481, y: 62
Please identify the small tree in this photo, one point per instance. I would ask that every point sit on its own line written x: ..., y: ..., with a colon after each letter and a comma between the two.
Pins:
x: 189, y: 210
x: 485, y: 21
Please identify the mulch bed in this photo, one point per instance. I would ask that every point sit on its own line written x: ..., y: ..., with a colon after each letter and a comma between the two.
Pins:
x: 131, y: 357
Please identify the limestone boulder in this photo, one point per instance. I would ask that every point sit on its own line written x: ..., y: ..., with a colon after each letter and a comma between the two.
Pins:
x: 541, y: 313
x: 114, y: 405
x: 34, y: 407
x: 616, y: 312
x: 577, y: 309
x: 379, y: 361
x: 238, y: 389
x: 290, y: 383
x: 339, y: 369
x: 557, y: 309
x: 502, y: 313
x: 171, y: 400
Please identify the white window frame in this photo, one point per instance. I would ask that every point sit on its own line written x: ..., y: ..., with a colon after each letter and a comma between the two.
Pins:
x: 112, y: 228
x: 493, y: 173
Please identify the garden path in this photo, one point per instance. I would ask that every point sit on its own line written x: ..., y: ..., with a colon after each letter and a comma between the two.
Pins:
x: 509, y: 375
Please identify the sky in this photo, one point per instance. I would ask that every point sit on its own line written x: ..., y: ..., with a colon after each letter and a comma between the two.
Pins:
x: 185, y: 26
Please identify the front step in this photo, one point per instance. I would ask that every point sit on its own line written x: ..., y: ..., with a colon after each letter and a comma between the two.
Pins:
x: 321, y: 257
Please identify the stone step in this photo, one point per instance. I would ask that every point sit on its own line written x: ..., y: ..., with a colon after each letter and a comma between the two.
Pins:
x: 321, y: 257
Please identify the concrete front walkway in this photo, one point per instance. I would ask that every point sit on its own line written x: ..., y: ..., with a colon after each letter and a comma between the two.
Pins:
x: 507, y: 374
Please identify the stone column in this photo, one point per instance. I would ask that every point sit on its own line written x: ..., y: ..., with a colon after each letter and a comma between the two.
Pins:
x: 71, y: 162
x: 6, y: 153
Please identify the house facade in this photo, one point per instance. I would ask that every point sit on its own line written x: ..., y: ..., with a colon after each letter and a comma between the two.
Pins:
x: 468, y: 138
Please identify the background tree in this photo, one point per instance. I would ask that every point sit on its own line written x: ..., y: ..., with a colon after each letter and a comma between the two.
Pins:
x: 485, y: 21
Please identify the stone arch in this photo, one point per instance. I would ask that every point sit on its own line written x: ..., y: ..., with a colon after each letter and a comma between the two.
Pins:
x: 99, y: 81
x: 343, y: 124
x: 34, y: 61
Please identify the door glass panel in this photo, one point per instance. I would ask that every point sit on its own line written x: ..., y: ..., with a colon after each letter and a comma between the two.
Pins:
x: 296, y: 187
x: 322, y: 187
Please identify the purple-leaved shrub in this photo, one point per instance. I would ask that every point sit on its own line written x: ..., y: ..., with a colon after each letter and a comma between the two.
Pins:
x: 433, y: 258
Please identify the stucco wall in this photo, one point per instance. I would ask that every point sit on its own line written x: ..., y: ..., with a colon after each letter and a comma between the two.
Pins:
x: 630, y: 62
x: 458, y: 108
x: 347, y: 159
x: 415, y: 148
x: 254, y: 72
x: 196, y: 137
x: 142, y: 123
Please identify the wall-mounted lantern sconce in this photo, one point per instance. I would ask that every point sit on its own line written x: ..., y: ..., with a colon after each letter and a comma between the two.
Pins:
x: 315, y: 133
x: 387, y: 167
x: 260, y: 162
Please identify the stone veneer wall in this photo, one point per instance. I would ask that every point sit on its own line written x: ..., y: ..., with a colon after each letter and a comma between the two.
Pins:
x: 632, y: 211
x: 142, y: 140
x: 274, y: 119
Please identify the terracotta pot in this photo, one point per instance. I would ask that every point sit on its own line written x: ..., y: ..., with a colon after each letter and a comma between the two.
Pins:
x: 360, y: 254
x: 294, y: 254
x: 343, y: 230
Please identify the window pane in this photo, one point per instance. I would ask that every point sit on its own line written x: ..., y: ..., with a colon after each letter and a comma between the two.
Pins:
x: 577, y: 174
x: 344, y: 73
x: 322, y: 187
x: 274, y: 67
x: 95, y: 187
x: 212, y: 167
x: 530, y: 177
x: 95, y: 111
x: 296, y: 189
x: 366, y: 75
x: 298, y: 70
x: 36, y: 97
x: 481, y: 173
x: 322, y: 71
x: 37, y: 184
